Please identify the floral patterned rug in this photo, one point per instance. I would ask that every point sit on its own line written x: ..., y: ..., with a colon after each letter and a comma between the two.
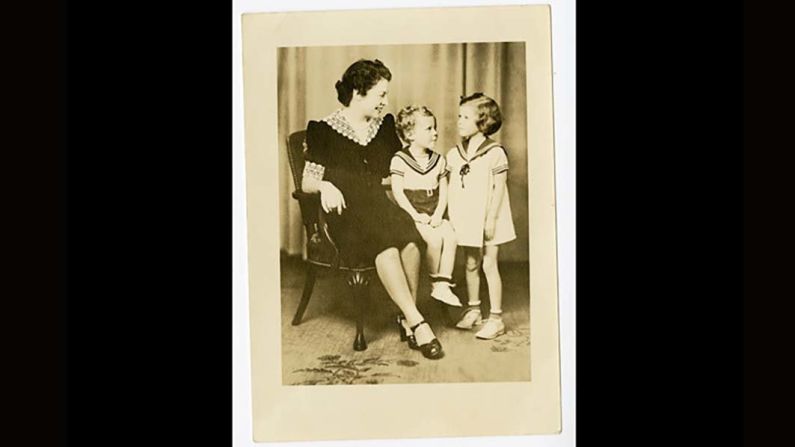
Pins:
x: 368, y: 369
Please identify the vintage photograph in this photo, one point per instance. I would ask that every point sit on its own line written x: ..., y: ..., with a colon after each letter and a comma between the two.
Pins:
x: 400, y: 230
x: 403, y: 213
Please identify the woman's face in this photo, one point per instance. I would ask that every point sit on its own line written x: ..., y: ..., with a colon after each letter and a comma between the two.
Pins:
x: 424, y: 133
x: 467, y: 126
x: 374, y: 101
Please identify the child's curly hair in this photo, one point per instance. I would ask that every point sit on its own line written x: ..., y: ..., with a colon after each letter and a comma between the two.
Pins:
x: 489, y: 118
x: 407, y: 119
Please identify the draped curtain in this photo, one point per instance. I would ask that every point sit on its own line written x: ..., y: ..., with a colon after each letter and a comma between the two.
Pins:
x: 434, y: 75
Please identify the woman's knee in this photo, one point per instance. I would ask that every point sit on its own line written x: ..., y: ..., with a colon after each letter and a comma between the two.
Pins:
x: 409, y: 253
x: 411, y: 248
x: 389, y: 255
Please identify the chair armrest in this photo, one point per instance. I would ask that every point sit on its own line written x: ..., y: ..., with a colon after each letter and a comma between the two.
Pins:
x: 323, y: 231
x: 308, y: 203
x: 321, y: 247
x: 301, y: 195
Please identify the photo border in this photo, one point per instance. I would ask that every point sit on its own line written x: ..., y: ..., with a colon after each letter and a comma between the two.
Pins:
x: 457, y: 424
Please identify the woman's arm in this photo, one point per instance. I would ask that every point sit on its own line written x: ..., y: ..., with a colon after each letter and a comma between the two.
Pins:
x: 317, y: 158
x: 331, y: 199
x: 310, y: 184
x: 403, y: 201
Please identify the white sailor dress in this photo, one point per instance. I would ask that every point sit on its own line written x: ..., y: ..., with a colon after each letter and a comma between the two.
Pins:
x: 471, y: 183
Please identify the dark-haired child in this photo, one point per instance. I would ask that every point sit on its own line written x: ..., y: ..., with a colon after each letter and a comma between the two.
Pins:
x: 479, y: 207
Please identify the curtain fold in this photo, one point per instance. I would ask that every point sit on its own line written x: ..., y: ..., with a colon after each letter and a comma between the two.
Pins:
x: 498, y: 70
x: 433, y: 75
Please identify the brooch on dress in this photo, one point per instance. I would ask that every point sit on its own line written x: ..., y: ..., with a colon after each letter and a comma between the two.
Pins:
x: 464, y: 171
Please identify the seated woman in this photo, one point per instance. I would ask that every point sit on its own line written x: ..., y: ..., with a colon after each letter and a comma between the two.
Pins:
x: 348, y: 154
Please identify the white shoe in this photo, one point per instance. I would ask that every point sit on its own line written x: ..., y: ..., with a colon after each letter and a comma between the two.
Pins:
x: 471, y: 317
x: 442, y: 292
x: 491, y: 329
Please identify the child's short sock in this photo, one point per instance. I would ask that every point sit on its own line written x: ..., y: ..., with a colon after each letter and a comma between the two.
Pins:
x: 470, y: 317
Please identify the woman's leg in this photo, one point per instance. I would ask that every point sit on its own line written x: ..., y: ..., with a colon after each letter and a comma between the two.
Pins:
x: 390, y: 270
x: 410, y: 258
x: 390, y: 266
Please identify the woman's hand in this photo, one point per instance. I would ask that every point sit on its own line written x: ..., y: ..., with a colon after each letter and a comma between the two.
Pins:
x: 331, y: 198
x: 436, y: 220
x: 491, y: 225
x: 422, y: 218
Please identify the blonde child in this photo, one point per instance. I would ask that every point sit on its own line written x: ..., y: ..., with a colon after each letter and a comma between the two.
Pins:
x: 419, y: 184
x: 479, y: 207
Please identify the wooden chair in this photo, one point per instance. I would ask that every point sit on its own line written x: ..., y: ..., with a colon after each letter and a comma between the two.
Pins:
x: 322, y: 252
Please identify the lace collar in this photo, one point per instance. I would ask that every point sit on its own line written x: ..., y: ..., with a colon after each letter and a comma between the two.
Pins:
x: 338, y: 122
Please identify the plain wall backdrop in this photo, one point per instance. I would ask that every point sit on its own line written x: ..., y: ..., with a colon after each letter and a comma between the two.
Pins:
x: 434, y: 75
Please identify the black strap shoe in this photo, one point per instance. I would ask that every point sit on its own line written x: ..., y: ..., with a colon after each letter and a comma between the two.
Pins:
x: 407, y: 337
x: 431, y: 350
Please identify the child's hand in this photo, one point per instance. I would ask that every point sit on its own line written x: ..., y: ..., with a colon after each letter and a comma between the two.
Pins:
x: 436, y: 221
x: 423, y: 218
x: 491, y: 225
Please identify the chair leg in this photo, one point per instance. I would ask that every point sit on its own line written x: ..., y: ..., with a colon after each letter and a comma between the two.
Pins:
x: 358, y: 282
x: 309, y: 284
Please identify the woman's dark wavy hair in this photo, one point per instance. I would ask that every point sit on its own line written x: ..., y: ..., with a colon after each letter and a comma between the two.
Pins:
x: 489, y: 118
x: 362, y: 75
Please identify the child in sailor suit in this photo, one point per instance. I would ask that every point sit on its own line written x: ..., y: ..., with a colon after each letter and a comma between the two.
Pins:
x: 479, y: 207
x: 419, y: 184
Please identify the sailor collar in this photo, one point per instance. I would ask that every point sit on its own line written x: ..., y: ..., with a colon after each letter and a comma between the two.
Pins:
x: 405, y: 155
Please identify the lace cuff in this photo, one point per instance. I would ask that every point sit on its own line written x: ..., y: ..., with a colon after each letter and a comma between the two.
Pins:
x: 314, y: 170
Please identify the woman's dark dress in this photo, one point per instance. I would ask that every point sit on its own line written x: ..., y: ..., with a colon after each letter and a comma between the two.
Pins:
x: 370, y: 223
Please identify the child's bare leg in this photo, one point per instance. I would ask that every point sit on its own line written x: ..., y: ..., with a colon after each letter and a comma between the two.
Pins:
x: 494, y: 327
x: 449, y: 245
x: 441, y: 281
x: 433, y: 238
x: 471, y: 315
x: 493, y: 279
x: 473, y: 259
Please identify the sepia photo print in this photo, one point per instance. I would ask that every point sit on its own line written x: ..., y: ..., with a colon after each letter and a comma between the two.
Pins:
x: 401, y: 223
x: 340, y: 324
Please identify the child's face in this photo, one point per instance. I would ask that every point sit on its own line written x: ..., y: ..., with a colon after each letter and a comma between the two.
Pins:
x: 424, y: 133
x: 467, y: 126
